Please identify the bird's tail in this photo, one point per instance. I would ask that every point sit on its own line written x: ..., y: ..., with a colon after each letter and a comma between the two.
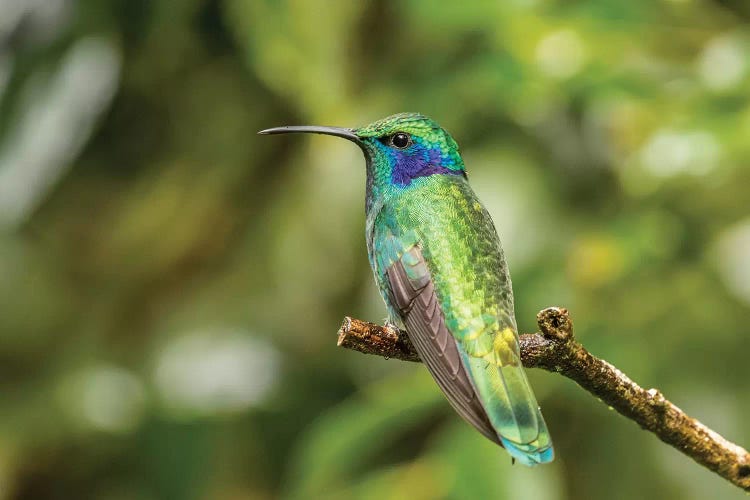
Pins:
x: 511, y: 407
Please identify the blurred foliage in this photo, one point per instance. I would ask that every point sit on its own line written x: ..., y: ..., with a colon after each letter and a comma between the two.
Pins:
x: 170, y: 283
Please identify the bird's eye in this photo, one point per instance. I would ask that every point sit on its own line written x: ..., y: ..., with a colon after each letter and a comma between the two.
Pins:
x: 400, y: 140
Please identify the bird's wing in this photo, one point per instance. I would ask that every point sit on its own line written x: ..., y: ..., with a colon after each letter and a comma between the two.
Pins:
x: 477, y: 366
x: 412, y: 293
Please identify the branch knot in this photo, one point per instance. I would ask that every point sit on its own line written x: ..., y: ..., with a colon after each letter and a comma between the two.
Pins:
x: 555, y: 322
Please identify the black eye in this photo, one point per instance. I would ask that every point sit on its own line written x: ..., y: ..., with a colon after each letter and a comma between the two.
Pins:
x: 400, y: 140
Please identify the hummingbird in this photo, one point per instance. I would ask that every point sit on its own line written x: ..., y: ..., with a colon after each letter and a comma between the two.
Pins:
x: 441, y: 270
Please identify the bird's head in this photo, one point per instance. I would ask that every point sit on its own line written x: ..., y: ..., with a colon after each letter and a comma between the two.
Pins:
x: 398, y: 149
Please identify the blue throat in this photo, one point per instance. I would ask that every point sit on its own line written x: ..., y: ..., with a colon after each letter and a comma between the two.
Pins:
x: 418, y: 161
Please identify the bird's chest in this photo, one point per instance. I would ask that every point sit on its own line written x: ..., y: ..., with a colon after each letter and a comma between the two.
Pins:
x: 459, y: 245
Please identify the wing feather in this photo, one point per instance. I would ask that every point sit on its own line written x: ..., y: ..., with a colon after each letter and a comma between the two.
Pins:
x: 420, y: 311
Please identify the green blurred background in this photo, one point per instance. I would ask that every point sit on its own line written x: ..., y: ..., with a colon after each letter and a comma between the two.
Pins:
x: 171, y: 283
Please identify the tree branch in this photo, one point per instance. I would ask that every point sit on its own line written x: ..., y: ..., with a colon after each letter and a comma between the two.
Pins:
x: 556, y: 350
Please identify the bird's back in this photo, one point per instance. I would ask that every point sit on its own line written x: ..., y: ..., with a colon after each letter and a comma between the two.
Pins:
x: 441, y: 218
x: 460, y: 244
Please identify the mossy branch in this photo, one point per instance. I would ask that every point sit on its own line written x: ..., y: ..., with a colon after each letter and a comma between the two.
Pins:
x: 555, y: 349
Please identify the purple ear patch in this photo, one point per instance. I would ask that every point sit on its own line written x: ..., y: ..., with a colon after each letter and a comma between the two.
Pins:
x: 418, y: 161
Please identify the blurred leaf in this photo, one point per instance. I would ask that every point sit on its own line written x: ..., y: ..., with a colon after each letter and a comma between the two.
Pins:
x: 351, y: 435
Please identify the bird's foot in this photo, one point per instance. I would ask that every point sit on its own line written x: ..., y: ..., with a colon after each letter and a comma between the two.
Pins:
x: 394, y: 332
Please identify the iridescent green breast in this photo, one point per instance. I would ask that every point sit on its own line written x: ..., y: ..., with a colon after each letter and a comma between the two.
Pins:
x: 458, y: 239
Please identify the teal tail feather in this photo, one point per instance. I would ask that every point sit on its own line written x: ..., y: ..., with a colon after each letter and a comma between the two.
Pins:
x: 529, y: 454
x: 512, y: 409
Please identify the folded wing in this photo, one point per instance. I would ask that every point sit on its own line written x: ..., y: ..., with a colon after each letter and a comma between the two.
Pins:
x: 480, y: 373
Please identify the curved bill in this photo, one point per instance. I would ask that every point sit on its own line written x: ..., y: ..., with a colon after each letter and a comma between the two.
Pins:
x: 346, y: 133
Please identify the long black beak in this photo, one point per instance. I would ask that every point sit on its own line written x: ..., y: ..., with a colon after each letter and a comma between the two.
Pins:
x: 346, y: 133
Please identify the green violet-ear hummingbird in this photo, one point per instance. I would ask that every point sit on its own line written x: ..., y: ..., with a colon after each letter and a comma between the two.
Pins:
x: 441, y: 270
